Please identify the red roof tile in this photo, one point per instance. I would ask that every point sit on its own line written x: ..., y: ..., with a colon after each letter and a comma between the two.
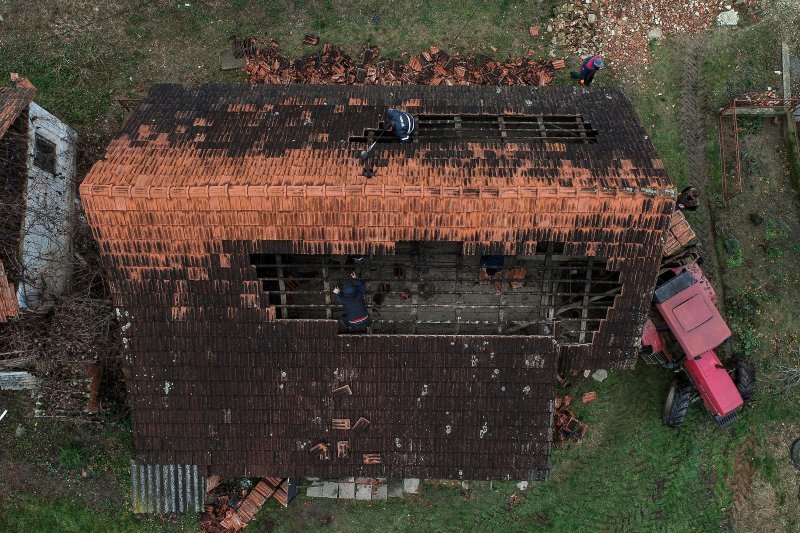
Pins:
x: 8, y: 298
x: 13, y: 101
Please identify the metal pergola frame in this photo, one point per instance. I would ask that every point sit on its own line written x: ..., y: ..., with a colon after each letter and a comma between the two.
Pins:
x: 727, y: 120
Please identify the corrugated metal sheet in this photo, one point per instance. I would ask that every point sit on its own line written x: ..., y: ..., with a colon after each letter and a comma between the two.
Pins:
x: 18, y: 381
x: 166, y: 489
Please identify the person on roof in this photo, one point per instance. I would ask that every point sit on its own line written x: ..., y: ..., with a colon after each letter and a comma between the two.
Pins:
x: 403, y: 124
x: 589, y: 67
x: 351, y: 298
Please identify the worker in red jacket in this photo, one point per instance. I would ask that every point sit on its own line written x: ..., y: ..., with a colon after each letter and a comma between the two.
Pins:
x: 589, y: 67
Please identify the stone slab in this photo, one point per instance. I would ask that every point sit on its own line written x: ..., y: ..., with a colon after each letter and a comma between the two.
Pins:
x: 411, y: 485
x: 380, y: 492
x: 363, y: 492
x: 314, y: 490
x: 347, y: 491
x: 330, y: 489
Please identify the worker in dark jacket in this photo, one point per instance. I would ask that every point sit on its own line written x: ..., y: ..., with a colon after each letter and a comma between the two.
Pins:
x: 351, y: 298
x: 403, y: 124
x: 589, y: 67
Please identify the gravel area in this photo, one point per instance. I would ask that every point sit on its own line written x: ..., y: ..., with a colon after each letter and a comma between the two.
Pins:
x: 620, y: 30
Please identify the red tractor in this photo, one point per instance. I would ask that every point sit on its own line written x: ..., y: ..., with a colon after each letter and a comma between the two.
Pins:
x: 682, y: 332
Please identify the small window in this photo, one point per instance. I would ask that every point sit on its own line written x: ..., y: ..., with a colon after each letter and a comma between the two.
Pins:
x: 44, y: 156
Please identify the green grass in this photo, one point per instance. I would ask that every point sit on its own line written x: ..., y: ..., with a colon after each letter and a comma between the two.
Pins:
x: 775, y: 229
x: 657, y: 103
x: 27, y: 513
x: 741, y: 61
x: 60, y: 81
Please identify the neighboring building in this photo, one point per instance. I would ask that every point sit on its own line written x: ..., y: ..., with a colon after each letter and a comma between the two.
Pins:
x: 37, y: 202
x: 225, y: 214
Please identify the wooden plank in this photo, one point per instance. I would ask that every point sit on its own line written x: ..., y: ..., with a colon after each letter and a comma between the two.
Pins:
x: 281, y: 286
x: 502, y: 124
x: 460, y: 293
x: 786, y: 70
x: 587, y: 287
x: 326, y: 284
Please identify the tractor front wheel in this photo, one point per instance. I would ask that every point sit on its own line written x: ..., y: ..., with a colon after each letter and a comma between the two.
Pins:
x: 679, y: 397
x: 745, y: 377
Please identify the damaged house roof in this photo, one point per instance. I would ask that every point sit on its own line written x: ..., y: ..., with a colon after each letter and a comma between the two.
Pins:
x: 201, y: 178
x: 14, y: 103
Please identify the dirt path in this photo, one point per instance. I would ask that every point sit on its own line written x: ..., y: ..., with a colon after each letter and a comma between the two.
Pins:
x: 694, y: 136
x: 743, y: 473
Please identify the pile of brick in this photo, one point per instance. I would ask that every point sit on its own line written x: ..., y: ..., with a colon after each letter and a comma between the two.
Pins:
x: 565, y: 425
x: 232, y: 513
x: 332, y: 65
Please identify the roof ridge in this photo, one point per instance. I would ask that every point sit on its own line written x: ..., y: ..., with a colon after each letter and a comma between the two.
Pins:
x: 380, y: 190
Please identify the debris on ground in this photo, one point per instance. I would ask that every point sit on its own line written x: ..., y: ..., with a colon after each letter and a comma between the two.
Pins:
x: 565, y: 425
x: 621, y: 30
x: 232, y: 506
x: 264, y: 63
x: 600, y: 375
x: 513, y: 501
x: 589, y: 397
x: 310, y: 39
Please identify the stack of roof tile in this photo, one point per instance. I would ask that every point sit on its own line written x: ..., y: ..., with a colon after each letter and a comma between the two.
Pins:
x: 13, y: 101
x: 565, y: 425
x: 248, y: 508
x: 266, y: 64
x: 679, y: 235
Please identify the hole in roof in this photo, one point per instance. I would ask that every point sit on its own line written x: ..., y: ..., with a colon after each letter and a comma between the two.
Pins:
x: 490, y: 128
x: 433, y: 288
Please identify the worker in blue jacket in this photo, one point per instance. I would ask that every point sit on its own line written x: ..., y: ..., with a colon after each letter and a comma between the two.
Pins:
x: 403, y: 124
x: 351, y: 298
x: 589, y: 67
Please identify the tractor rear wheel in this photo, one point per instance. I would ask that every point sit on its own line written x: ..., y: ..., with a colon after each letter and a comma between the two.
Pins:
x: 679, y: 397
x: 745, y: 377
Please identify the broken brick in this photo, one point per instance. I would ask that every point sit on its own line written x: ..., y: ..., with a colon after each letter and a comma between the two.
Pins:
x: 361, y: 424
x: 322, y: 448
x: 534, y: 31
x: 341, y: 423
x: 559, y: 63
x: 372, y: 458
x: 342, y: 391
x: 565, y: 425
x: 415, y: 64
x: 589, y: 397
x: 342, y: 448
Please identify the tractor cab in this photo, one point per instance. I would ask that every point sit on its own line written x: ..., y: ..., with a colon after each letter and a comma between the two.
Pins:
x: 688, y: 310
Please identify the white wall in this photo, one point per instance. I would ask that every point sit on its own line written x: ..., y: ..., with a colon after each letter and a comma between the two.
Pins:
x: 49, y: 214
